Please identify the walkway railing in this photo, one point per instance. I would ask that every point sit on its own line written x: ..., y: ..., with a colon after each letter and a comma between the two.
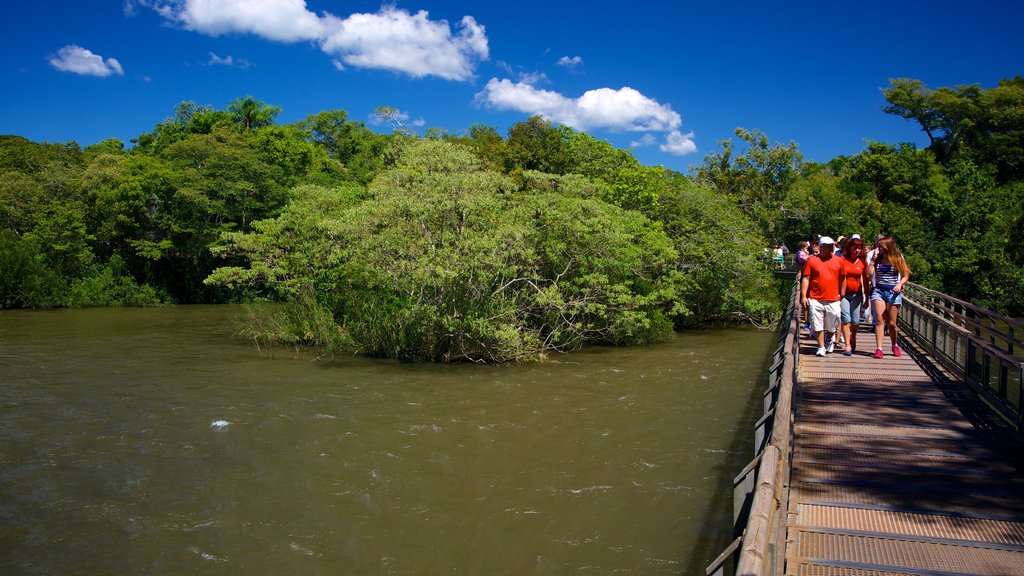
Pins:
x: 760, y: 496
x: 979, y: 347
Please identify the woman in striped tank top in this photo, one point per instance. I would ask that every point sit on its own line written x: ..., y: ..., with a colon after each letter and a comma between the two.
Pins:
x: 889, y: 273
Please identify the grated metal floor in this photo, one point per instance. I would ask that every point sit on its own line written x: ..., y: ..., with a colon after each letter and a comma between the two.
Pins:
x: 896, y: 474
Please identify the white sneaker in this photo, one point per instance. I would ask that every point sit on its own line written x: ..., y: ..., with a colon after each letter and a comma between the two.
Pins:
x: 831, y: 346
x: 820, y: 352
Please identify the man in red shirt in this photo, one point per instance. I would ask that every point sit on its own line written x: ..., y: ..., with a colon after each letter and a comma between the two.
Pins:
x: 819, y: 292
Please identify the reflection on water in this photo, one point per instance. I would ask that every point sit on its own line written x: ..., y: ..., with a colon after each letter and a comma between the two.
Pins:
x: 152, y: 441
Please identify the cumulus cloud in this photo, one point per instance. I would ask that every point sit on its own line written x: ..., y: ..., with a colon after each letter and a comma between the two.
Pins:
x: 78, y: 60
x: 571, y: 63
x: 533, y: 78
x: 679, y: 144
x: 624, y: 109
x: 281, y: 20
x: 229, y: 60
x: 394, y: 39
x: 645, y: 141
x: 390, y: 39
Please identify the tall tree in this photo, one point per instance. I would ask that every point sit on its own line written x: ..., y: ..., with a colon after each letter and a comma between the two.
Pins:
x: 757, y: 178
x: 984, y: 125
x: 250, y: 113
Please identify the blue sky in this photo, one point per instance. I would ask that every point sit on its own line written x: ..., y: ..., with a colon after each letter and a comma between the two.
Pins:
x: 669, y: 79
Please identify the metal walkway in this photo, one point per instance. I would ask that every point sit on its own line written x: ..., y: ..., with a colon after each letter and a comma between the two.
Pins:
x: 895, y: 470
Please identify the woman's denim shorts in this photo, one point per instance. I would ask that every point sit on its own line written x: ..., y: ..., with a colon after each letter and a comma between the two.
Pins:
x: 887, y: 295
x: 851, y: 304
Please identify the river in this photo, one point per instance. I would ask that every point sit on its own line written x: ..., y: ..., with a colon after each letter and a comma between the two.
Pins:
x: 153, y: 441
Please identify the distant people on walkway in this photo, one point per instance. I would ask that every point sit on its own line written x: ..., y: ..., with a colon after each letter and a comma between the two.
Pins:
x: 819, y: 293
x: 802, y: 254
x: 778, y: 256
x: 889, y: 273
x: 852, y: 291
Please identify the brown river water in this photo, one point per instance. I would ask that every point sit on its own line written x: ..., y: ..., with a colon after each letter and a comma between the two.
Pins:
x: 154, y: 441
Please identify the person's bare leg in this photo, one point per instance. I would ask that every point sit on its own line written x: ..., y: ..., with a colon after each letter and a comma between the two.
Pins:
x: 879, y: 306
x: 892, y: 313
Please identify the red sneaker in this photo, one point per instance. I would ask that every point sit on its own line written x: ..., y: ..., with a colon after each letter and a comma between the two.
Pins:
x: 878, y: 353
x: 896, y: 351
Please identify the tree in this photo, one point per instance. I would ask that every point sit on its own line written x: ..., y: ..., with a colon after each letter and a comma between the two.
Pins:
x: 983, y: 125
x: 441, y: 263
x: 757, y: 179
x: 632, y: 185
x: 723, y: 278
x: 392, y: 116
x: 360, y: 151
x: 249, y: 113
x: 910, y: 99
x: 904, y: 175
x: 536, y: 144
x: 488, y: 145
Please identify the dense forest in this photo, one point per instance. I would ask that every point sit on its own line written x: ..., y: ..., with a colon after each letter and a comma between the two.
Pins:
x: 483, y: 247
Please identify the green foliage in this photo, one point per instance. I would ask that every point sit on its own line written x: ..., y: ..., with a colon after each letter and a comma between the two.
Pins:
x: 906, y: 176
x: 757, y: 178
x: 445, y: 263
x: 25, y: 280
x: 719, y: 250
x: 818, y: 204
x: 536, y: 144
x: 18, y: 154
x: 249, y: 113
x: 984, y: 125
x: 631, y: 185
x: 360, y: 152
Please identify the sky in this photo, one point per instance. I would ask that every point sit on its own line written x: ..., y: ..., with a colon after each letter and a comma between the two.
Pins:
x: 667, y: 79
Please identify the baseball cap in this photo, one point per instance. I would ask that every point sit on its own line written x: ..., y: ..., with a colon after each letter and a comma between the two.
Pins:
x: 855, y: 237
x: 826, y: 240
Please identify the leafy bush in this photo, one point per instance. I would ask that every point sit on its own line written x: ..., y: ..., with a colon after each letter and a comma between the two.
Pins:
x: 448, y: 262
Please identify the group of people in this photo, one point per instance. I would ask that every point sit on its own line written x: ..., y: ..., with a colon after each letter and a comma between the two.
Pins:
x: 840, y: 280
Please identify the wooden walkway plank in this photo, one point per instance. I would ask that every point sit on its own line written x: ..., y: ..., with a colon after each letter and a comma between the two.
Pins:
x: 895, y: 473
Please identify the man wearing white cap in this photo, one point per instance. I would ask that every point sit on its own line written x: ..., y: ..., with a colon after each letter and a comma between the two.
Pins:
x: 819, y: 292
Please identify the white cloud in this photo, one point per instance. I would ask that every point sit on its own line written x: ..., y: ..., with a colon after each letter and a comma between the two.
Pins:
x: 571, y: 63
x: 390, y: 39
x: 647, y: 140
x: 679, y: 144
x: 394, y: 39
x: 533, y: 78
x: 229, y: 60
x: 78, y: 60
x: 281, y: 20
x: 624, y: 109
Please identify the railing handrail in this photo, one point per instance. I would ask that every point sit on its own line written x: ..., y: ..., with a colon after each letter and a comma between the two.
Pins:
x: 763, y: 526
x: 938, y: 301
x: 980, y: 309
x: 969, y: 349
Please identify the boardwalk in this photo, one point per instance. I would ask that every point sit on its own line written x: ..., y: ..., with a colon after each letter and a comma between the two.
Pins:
x: 896, y: 471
